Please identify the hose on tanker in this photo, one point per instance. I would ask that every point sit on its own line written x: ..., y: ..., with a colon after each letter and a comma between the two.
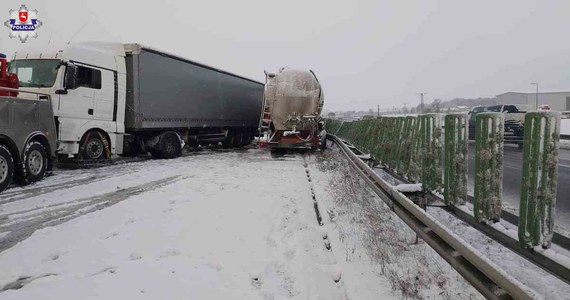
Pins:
x: 305, y: 140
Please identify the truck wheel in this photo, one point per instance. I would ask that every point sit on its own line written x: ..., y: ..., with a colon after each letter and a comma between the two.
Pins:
x: 94, y: 146
x: 169, y: 146
x: 6, y: 168
x: 34, y: 163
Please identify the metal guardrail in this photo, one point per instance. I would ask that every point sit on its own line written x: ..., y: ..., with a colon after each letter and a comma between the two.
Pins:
x: 484, y: 275
x: 546, y: 263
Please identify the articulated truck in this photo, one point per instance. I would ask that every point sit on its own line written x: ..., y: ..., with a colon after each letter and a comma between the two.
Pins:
x: 127, y: 99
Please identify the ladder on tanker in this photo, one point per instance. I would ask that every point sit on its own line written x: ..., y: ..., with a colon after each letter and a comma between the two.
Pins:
x: 265, y: 121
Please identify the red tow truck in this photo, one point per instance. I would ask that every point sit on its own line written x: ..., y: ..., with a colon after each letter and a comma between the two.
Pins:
x: 7, y: 80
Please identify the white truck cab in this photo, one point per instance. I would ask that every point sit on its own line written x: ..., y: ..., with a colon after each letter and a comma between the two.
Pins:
x: 87, y: 84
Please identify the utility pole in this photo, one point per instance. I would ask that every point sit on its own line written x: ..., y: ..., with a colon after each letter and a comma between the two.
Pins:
x: 422, y: 102
x: 378, y: 114
x: 405, y: 108
x: 536, y: 83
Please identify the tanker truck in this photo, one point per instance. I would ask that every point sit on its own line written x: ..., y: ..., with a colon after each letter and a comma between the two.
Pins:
x: 127, y: 99
x: 291, y: 117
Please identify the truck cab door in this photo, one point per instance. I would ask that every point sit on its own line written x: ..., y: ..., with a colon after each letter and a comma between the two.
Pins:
x: 104, y: 97
x: 79, y: 103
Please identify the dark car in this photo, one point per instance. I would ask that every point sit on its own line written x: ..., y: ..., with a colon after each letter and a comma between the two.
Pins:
x: 475, y: 110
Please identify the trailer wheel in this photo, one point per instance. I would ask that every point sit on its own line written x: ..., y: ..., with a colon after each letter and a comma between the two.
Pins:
x: 6, y: 168
x: 94, y: 146
x: 34, y: 163
x: 169, y: 146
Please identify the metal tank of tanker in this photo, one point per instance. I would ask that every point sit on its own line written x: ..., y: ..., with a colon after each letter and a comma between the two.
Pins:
x: 292, y: 111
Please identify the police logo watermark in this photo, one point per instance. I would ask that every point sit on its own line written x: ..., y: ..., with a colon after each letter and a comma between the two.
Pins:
x: 23, y: 23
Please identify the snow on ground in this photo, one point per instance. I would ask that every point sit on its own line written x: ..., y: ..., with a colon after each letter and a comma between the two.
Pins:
x: 231, y: 225
x: 365, y: 229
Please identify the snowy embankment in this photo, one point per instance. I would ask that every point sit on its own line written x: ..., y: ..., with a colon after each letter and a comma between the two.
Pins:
x: 237, y: 225
x: 365, y: 229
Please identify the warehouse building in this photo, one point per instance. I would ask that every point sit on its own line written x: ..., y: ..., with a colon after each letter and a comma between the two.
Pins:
x: 556, y: 100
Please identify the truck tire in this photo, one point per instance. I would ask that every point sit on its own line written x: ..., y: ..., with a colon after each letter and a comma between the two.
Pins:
x: 94, y: 146
x: 168, y: 147
x: 6, y: 168
x: 34, y: 163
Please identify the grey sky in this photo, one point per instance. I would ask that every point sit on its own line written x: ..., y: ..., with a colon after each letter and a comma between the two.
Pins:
x: 364, y: 52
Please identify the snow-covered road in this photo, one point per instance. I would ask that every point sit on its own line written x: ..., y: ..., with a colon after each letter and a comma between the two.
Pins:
x: 210, y: 225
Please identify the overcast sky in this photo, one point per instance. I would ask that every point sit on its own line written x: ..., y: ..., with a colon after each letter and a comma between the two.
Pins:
x: 365, y: 53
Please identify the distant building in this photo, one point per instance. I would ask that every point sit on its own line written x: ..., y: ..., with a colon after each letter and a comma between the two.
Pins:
x: 557, y: 100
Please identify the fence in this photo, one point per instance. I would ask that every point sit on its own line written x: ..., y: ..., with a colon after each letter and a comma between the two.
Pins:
x: 420, y: 148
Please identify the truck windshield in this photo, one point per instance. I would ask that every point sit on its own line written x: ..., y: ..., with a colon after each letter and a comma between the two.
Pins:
x: 35, y: 72
x: 496, y: 108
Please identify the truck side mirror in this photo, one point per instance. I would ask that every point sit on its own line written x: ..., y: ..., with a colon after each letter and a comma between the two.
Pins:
x: 71, y: 80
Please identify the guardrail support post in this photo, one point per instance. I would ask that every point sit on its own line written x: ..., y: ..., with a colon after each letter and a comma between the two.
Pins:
x: 431, y: 152
x: 455, y: 175
x: 540, y: 172
x: 489, y: 138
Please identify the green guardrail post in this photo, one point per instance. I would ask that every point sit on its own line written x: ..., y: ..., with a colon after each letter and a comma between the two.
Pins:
x: 406, y: 148
x: 539, y: 179
x: 414, y: 170
x: 400, y: 121
x: 489, y: 138
x: 455, y: 175
x: 431, y: 152
x: 389, y: 144
x: 376, y: 136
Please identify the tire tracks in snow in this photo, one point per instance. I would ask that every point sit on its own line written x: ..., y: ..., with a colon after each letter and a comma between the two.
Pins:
x: 100, y: 173
x: 19, y: 231
x: 11, y: 196
x: 337, y: 276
